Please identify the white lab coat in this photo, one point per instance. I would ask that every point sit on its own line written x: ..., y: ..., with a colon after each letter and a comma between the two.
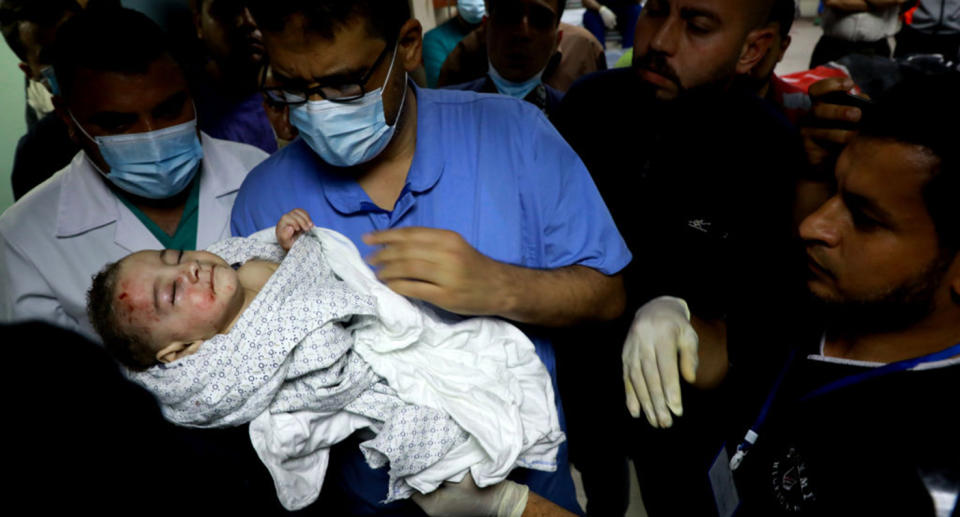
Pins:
x: 55, y: 239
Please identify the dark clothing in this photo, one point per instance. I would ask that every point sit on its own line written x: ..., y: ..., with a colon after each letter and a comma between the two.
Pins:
x: 701, y: 188
x: 544, y: 97
x: 87, y: 438
x: 43, y: 151
x: 911, y: 41
x: 830, y: 48
x: 237, y: 119
x: 873, y: 448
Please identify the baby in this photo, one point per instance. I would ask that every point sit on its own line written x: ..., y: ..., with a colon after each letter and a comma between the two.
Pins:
x: 159, y: 306
x: 301, y: 340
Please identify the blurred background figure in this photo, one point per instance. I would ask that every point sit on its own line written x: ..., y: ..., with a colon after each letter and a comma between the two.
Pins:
x: 440, y: 41
x: 931, y: 27
x: 856, y: 27
x: 576, y: 52
x: 226, y: 81
x: 30, y: 28
x: 522, y: 37
x: 605, y: 15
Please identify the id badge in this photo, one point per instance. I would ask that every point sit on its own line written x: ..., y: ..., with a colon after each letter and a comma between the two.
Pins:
x: 721, y: 481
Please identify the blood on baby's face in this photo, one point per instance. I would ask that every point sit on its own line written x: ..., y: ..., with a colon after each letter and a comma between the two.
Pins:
x: 174, y: 296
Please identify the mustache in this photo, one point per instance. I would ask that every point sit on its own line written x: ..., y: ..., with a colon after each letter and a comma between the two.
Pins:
x: 656, y: 63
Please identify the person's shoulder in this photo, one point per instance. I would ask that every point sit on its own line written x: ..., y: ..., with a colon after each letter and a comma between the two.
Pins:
x: 616, y: 81
x: 37, y: 207
x: 285, y: 164
x: 488, y: 107
x: 475, y: 85
x: 247, y: 154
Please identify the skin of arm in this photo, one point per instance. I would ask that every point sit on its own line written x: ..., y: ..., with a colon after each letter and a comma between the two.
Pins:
x: 440, y: 267
x: 593, y: 5
x: 713, y: 361
x: 540, y: 507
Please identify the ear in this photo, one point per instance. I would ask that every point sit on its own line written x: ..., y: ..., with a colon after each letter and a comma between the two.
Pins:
x: 177, y: 350
x: 25, y: 68
x: 60, y: 108
x: 410, y: 40
x: 197, y: 25
x: 953, y: 278
x: 755, y: 47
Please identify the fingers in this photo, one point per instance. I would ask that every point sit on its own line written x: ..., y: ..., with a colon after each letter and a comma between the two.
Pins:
x: 837, y: 136
x: 639, y: 385
x: 831, y: 84
x: 688, y: 343
x: 836, y: 112
x: 670, y: 378
x: 654, y: 383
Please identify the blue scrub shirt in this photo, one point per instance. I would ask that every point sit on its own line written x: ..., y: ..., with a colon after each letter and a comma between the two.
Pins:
x: 489, y: 167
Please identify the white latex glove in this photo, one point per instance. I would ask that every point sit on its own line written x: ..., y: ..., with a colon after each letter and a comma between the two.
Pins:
x: 609, y: 18
x: 660, y: 332
x: 465, y: 499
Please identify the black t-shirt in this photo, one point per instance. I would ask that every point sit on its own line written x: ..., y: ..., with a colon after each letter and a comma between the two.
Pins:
x: 43, y: 151
x: 702, y: 191
x: 877, y: 447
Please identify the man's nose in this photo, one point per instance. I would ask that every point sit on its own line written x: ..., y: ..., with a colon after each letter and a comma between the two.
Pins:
x: 665, y: 37
x: 822, y: 226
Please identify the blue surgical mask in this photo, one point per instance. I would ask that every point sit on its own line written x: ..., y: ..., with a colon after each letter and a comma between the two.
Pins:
x: 345, y: 134
x: 156, y: 164
x: 517, y: 90
x: 50, y: 78
x: 471, y: 10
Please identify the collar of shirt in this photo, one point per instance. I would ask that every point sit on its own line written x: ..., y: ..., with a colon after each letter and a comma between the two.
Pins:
x: 346, y: 196
x: 86, y: 202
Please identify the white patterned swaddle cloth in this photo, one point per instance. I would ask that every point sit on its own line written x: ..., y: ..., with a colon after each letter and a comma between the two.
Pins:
x: 325, y: 349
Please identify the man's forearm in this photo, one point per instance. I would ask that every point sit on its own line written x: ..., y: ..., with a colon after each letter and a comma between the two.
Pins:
x: 593, y: 5
x: 560, y: 297
x: 713, y: 360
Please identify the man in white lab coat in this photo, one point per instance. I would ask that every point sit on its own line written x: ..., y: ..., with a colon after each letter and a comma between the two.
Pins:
x: 146, y: 178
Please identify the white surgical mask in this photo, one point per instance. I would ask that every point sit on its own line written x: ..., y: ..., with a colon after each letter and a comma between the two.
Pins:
x: 472, y: 11
x: 345, y: 134
x: 517, y: 90
x: 155, y: 164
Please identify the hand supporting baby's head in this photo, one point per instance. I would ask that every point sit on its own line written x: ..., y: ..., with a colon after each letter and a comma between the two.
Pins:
x: 158, y: 306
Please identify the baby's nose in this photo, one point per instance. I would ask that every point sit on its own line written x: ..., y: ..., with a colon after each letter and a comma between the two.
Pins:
x: 192, y: 271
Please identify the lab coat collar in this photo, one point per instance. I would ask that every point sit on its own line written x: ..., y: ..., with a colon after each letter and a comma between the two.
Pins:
x: 87, y: 203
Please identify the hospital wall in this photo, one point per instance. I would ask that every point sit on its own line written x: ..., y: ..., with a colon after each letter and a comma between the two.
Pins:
x: 12, y: 122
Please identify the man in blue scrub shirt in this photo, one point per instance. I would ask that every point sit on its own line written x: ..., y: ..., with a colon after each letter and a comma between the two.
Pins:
x: 470, y: 202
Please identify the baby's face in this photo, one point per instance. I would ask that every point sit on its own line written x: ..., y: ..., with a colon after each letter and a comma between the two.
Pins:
x: 177, y: 297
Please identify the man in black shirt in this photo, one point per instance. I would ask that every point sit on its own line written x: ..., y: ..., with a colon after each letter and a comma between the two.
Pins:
x: 699, y: 177
x: 864, y: 424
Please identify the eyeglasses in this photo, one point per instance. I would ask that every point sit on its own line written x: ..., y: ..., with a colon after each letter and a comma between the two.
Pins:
x: 339, y: 92
x: 512, y: 12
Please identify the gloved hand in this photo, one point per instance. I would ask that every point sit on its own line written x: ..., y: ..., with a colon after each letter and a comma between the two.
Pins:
x: 609, y: 18
x: 660, y: 332
x: 465, y: 499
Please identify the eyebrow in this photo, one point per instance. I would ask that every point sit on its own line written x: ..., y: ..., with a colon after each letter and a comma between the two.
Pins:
x: 693, y: 12
x: 865, y: 204
x: 342, y: 76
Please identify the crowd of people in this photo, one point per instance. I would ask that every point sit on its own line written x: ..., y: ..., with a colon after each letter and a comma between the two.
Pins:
x: 747, y: 284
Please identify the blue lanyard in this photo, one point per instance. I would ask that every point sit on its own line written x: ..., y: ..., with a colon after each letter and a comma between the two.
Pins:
x: 753, y: 433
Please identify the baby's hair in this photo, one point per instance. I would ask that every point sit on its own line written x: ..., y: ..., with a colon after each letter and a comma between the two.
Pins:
x: 130, y: 349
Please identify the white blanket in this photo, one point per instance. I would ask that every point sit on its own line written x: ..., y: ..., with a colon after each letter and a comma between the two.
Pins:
x: 326, y: 349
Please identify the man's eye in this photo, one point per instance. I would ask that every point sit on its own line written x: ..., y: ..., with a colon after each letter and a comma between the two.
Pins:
x: 863, y: 221
x: 698, y: 29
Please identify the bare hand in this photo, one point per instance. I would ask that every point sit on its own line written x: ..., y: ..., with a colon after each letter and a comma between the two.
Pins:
x: 822, y: 144
x: 291, y: 225
x: 439, y: 267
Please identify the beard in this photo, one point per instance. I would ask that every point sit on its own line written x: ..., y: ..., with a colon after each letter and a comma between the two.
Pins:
x: 892, y: 309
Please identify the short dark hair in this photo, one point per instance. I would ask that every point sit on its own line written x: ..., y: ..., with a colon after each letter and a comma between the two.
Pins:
x: 561, y: 6
x: 783, y: 12
x: 924, y: 110
x: 384, y: 18
x: 111, y: 39
x: 130, y: 349
x: 42, y: 12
